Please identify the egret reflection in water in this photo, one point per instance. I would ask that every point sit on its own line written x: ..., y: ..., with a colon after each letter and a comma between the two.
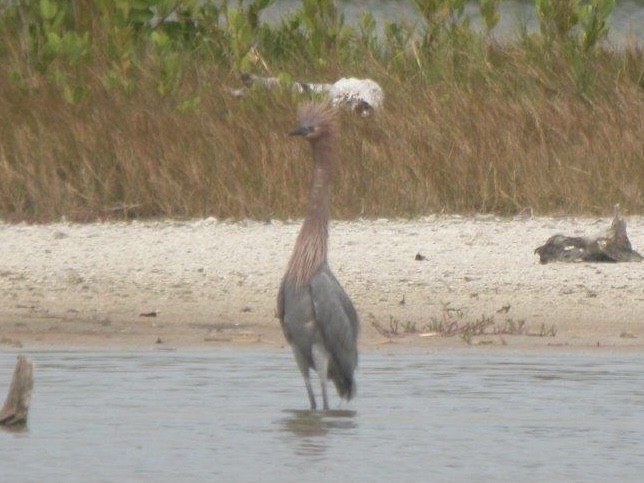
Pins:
x: 312, y: 428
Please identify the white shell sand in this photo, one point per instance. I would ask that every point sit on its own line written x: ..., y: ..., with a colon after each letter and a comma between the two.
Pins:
x: 210, y: 282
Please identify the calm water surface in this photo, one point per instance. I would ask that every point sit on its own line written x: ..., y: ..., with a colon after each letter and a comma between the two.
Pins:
x: 626, y: 22
x: 229, y: 415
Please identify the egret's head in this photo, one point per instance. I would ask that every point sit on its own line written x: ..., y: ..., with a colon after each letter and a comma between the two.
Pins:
x: 317, y: 120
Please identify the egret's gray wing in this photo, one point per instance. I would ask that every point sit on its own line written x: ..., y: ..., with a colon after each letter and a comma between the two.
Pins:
x: 295, y: 309
x: 337, y: 320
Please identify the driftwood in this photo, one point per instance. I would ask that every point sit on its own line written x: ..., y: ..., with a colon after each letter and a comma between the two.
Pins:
x: 611, y: 246
x: 16, y: 406
x: 362, y: 96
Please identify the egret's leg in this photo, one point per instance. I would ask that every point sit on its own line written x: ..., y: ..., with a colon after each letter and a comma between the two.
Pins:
x: 309, y: 390
x: 304, y: 369
x: 321, y: 362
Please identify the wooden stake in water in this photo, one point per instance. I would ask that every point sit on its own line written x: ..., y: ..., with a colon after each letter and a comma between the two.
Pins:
x: 16, y: 406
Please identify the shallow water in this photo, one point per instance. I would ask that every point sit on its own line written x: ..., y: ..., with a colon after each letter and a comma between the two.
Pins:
x: 231, y: 415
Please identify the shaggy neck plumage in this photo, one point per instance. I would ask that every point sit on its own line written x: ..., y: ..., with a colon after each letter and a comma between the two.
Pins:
x: 311, y: 247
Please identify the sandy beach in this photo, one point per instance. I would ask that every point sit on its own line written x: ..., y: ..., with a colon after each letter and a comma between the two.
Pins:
x: 204, y: 283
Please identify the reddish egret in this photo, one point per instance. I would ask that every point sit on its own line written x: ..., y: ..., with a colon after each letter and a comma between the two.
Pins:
x: 317, y: 316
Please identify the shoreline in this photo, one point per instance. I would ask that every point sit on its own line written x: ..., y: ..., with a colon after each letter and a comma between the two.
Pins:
x: 198, y: 284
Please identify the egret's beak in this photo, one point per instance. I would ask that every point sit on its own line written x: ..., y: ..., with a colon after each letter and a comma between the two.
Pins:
x: 301, y: 131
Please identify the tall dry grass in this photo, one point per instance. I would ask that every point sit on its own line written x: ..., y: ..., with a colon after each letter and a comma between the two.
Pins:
x: 492, y: 148
x: 511, y: 135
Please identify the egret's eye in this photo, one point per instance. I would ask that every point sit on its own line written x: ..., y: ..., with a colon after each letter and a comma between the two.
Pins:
x: 303, y: 131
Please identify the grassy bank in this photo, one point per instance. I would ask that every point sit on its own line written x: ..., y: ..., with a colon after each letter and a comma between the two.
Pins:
x: 108, y: 113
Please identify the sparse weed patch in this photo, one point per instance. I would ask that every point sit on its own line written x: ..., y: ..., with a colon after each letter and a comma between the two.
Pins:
x: 452, y: 322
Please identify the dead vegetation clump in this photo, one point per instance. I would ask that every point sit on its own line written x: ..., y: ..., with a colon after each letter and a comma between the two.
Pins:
x: 452, y: 322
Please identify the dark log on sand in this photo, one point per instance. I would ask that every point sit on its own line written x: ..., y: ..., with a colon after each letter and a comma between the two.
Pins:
x: 16, y: 406
x: 611, y: 246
